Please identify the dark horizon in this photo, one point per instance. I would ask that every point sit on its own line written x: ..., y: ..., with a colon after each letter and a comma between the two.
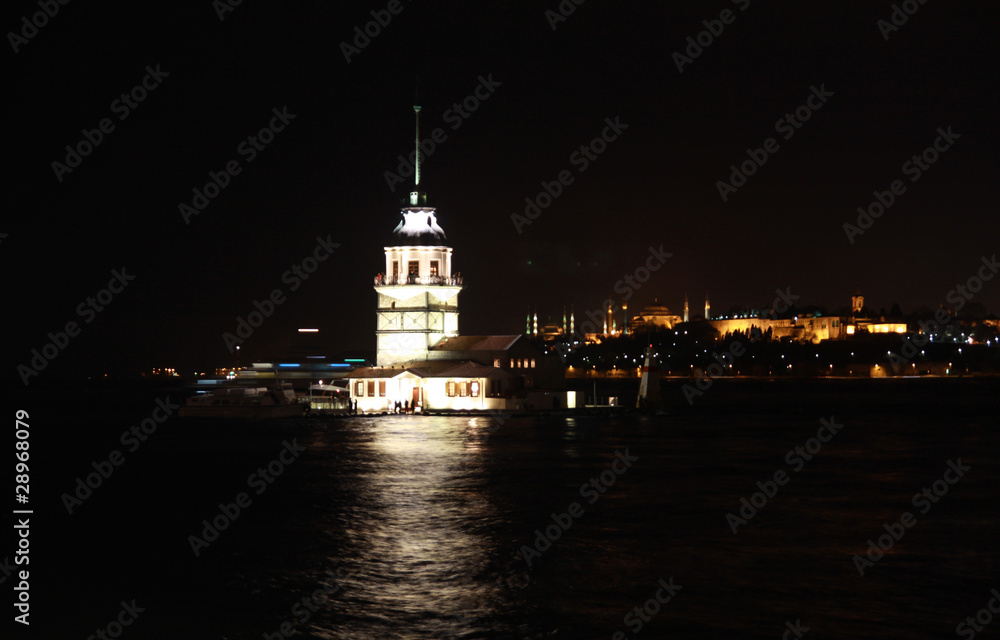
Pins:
x: 872, y: 103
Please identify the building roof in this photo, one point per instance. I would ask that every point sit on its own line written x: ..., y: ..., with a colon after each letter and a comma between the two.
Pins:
x: 655, y: 309
x: 418, y: 226
x: 379, y: 372
x: 468, y: 370
x: 428, y: 369
x: 476, y: 343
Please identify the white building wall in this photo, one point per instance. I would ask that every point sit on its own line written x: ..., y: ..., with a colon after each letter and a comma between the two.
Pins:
x: 418, y: 317
x: 398, y: 389
x: 433, y: 396
x: 437, y: 394
x: 423, y: 255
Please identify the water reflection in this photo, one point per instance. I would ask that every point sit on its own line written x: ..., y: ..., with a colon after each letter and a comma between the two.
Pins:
x: 419, y: 538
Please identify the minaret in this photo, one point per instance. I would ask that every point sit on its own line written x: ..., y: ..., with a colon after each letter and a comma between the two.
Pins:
x: 625, y: 320
x: 535, y: 332
x: 708, y: 308
x: 418, y: 295
x: 686, y: 314
x: 572, y: 328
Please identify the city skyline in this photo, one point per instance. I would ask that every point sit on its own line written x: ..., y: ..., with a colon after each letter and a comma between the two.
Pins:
x: 318, y: 323
x: 743, y: 162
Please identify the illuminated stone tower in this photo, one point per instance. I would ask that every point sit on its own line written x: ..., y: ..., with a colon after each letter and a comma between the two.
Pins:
x: 857, y: 302
x: 418, y: 293
x: 686, y: 315
x: 708, y: 308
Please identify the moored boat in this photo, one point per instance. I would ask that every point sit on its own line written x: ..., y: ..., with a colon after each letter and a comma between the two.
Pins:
x: 245, y: 402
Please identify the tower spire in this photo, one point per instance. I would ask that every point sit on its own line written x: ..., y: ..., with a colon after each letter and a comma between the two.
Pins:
x: 416, y: 162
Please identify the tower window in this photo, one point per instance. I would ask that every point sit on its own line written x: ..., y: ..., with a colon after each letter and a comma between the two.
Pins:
x: 434, y: 267
x: 381, y: 388
x: 371, y: 388
x: 413, y: 267
x: 395, y: 270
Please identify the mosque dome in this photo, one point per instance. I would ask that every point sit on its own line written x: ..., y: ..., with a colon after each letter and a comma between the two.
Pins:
x: 654, y: 315
x: 655, y: 309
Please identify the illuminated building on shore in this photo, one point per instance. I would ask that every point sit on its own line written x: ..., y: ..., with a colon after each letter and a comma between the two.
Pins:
x: 421, y: 359
x: 805, y: 328
x: 655, y: 316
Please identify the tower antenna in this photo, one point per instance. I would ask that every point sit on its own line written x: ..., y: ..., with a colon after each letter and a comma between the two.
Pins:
x: 416, y: 172
x: 416, y: 111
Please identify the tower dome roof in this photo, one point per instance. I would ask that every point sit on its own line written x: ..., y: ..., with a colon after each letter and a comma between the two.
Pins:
x: 418, y: 226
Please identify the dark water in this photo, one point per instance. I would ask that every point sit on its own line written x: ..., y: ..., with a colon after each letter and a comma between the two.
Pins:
x: 413, y: 527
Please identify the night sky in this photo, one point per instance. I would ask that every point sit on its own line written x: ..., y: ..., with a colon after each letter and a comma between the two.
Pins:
x: 552, y: 90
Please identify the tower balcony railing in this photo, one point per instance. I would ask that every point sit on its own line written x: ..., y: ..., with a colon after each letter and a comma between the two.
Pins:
x: 387, y: 281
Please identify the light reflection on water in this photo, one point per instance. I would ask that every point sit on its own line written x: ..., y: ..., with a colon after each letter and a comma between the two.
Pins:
x: 419, y: 546
x: 439, y: 513
x: 427, y: 518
